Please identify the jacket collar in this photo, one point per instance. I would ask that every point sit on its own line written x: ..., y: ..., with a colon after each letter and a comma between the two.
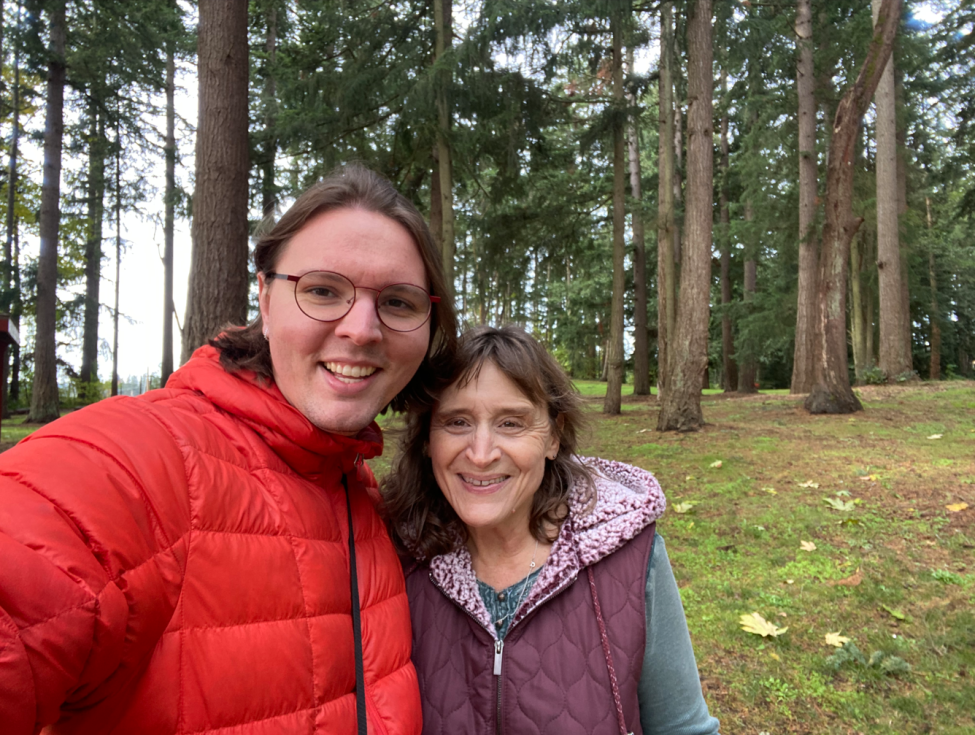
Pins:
x: 261, y: 406
x: 628, y: 499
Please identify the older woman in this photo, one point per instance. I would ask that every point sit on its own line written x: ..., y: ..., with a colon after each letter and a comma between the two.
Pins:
x: 542, y: 600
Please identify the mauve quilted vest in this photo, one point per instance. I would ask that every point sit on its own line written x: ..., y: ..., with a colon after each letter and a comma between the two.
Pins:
x: 554, y: 677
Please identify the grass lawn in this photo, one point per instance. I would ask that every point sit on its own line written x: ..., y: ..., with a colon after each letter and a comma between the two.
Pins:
x: 895, y: 572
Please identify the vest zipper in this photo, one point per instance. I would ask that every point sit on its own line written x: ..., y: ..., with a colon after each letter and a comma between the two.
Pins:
x: 498, y: 650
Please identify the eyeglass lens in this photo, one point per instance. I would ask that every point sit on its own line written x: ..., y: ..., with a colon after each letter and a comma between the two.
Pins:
x: 327, y: 297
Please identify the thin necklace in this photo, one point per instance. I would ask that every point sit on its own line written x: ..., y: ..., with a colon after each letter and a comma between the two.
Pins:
x: 524, y: 587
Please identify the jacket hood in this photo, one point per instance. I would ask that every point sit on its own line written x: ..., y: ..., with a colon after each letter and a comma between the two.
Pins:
x: 262, y: 407
x: 627, y: 500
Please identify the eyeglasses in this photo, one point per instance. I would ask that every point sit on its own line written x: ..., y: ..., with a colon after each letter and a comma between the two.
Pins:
x: 327, y: 297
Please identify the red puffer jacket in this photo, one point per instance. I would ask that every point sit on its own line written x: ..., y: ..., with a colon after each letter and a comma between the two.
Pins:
x: 178, y: 563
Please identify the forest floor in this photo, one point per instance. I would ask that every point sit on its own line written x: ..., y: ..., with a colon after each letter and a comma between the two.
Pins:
x: 884, y: 501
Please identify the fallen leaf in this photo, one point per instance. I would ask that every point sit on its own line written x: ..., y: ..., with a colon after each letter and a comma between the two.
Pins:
x: 836, y: 640
x: 770, y: 490
x: 896, y: 614
x: 644, y: 431
x: 690, y: 525
x: 782, y: 614
x: 688, y: 478
x: 868, y: 478
x: 684, y: 507
x: 809, y: 483
x: 756, y: 624
x: 935, y: 436
x: 957, y: 507
x: 807, y: 546
x: 773, y: 654
x: 716, y: 464
x: 844, y: 493
x: 852, y: 581
x: 837, y: 504
x: 790, y: 581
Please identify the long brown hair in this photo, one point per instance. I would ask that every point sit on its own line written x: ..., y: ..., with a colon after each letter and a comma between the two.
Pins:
x: 350, y: 187
x: 421, y: 519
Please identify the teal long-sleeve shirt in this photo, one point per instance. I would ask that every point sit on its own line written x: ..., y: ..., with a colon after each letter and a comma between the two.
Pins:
x: 669, y: 691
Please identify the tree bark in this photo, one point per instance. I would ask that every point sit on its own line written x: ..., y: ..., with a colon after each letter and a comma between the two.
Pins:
x: 218, y: 283
x: 641, y: 349
x: 442, y: 11
x: 666, y: 280
x: 681, y: 407
x: 614, y: 354
x: 858, y: 327
x: 831, y: 392
x: 802, y: 366
x: 895, y: 355
x: 729, y: 373
x: 269, y: 192
x: 168, y: 226
x: 934, y: 318
x: 118, y: 255
x: 93, y: 247
x: 44, y: 395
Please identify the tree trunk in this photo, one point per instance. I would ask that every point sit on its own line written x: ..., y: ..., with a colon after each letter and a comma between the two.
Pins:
x: 666, y: 280
x: 748, y: 370
x: 802, y: 366
x: 44, y: 395
x: 269, y: 193
x: 858, y: 327
x: 218, y: 283
x: 934, y: 319
x: 168, y: 226
x: 614, y: 356
x: 11, y: 267
x: 442, y: 11
x: 831, y: 392
x: 118, y: 255
x: 729, y: 372
x: 681, y: 407
x: 436, y: 202
x: 641, y: 350
x: 895, y: 356
x: 93, y: 248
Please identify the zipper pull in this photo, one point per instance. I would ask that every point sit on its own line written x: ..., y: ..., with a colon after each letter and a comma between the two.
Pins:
x: 498, y: 649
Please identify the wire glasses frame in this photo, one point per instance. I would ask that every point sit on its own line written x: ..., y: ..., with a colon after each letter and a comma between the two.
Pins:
x: 326, y: 296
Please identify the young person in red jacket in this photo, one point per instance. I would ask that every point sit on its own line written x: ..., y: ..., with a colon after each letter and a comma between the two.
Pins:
x: 180, y: 562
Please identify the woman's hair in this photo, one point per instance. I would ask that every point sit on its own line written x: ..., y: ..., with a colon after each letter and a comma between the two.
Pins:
x: 422, y: 521
x: 350, y: 187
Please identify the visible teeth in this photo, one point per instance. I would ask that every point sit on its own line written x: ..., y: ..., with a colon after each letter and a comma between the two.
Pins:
x: 484, y: 483
x: 349, y: 371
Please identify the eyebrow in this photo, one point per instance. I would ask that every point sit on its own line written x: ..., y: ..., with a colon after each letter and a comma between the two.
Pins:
x: 511, y: 410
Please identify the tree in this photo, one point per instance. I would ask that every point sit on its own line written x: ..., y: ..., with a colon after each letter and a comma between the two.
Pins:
x: 614, y: 354
x: 442, y: 21
x: 44, y: 394
x: 169, y: 197
x: 218, y: 271
x: 894, y: 353
x: 802, y: 366
x: 681, y: 406
x: 641, y: 351
x: 729, y: 373
x: 666, y: 269
x: 831, y: 392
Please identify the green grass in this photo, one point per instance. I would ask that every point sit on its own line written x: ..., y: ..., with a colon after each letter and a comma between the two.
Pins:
x: 13, y: 429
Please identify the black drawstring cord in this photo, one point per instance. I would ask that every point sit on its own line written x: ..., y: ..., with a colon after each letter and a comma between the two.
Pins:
x: 360, y: 684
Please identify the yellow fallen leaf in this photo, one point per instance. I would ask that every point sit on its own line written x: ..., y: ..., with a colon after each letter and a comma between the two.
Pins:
x: 935, y: 436
x: 852, y: 581
x: 809, y: 483
x: 773, y: 654
x: 685, y: 507
x: 868, y: 478
x: 770, y: 490
x: 836, y: 640
x: 716, y: 464
x: 807, y: 546
x: 688, y: 478
x: 957, y: 507
x: 790, y: 581
x: 690, y: 525
x: 756, y: 624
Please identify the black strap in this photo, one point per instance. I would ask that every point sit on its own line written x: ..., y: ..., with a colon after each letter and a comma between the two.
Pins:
x: 360, y: 684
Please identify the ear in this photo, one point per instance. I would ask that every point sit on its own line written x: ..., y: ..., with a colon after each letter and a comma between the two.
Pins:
x: 553, y: 442
x: 263, y: 299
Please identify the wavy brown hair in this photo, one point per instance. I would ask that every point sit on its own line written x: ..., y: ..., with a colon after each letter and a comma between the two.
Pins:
x: 349, y: 187
x: 421, y: 520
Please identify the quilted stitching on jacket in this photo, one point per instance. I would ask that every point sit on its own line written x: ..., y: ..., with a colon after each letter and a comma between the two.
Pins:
x: 554, y: 676
x: 189, y: 556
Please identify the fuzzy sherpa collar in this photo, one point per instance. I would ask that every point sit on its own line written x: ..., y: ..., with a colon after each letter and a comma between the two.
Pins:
x: 628, y: 499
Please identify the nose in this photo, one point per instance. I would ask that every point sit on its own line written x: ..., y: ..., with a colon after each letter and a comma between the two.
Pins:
x: 361, y: 324
x: 483, y: 450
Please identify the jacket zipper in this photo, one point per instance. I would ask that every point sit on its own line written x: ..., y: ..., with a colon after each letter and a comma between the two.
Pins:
x: 499, y: 644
